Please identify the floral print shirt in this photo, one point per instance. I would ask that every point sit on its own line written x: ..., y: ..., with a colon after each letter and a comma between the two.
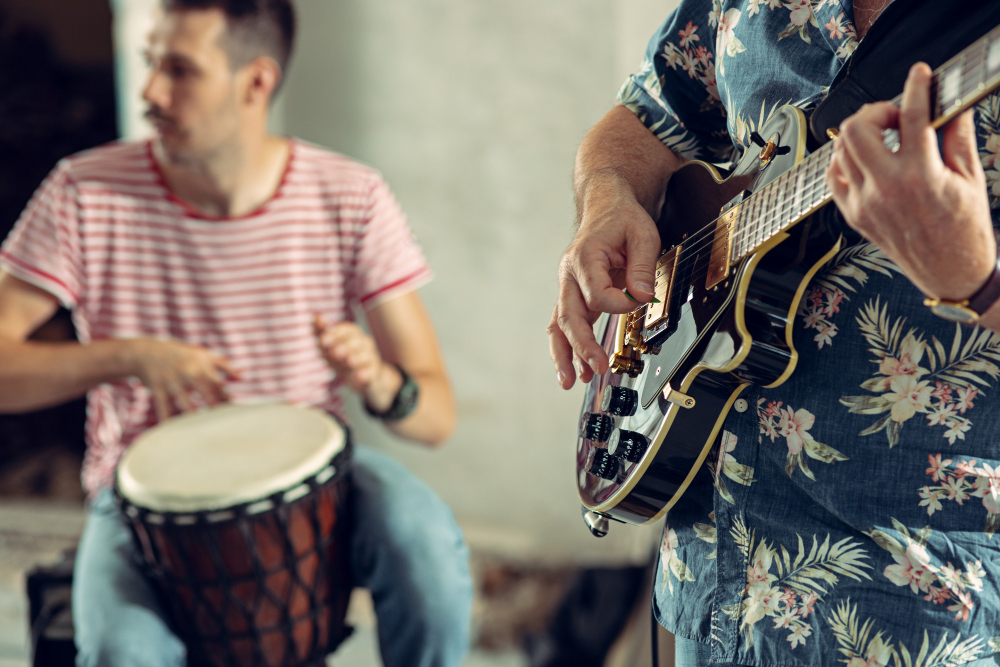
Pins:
x: 849, y: 515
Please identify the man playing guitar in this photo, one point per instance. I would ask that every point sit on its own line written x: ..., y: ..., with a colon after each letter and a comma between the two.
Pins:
x: 877, y: 548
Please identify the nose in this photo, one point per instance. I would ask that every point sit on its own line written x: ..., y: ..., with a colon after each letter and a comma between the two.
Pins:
x: 157, y: 89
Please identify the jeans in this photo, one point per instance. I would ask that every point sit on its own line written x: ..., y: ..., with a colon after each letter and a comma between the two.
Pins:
x: 406, y: 549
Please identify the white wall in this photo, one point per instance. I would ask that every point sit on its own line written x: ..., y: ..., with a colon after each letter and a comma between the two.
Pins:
x: 473, y: 112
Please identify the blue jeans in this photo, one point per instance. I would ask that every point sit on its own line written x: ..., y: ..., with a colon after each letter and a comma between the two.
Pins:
x: 406, y: 549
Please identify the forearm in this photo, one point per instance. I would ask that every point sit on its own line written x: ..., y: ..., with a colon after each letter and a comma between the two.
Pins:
x: 621, y: 156
x: 433, y: 419
x: 38, y: 375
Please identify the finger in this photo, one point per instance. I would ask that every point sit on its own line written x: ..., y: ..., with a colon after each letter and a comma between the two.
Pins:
x: 837, y: 181
x: 591, y: 272
x: 161, y: 402
x: 223, y: 364
x: 916, y: 135
x: 848, y: 169
x: 861, y: 137
x: 209, y: 389
x: 561, y: 353
x: 583, y: 370
x: 318, y: 324
x: 179, y: 395
x: 344, y: 330
x: 575, y: 321
x: 961, y: 151
x: 642, y: 249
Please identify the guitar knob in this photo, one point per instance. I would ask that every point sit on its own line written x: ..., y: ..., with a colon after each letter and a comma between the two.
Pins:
x: 602, y: 464
x: 620, y: 401
x: 629, y: 445
x: 597, y: 427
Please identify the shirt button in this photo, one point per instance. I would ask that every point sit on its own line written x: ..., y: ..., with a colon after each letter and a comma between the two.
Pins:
x: 741, y: 405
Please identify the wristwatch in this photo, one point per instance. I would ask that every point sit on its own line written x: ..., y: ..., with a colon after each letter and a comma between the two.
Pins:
x: 968, y: 311
x: 403, y: 404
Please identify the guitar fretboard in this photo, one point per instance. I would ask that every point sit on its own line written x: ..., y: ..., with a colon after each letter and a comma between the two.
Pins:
x: 955, y: 86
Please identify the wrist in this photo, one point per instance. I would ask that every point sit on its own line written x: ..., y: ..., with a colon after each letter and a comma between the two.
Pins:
x: 382, y: 390
x: 124, y: 357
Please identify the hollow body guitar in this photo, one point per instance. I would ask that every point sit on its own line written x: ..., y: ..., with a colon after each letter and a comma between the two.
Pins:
x: 737, y: 255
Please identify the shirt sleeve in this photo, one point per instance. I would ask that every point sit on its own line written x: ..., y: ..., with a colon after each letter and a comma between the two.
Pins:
x: 389, y: 261
x: 674, y: 91
x: 44, y: 246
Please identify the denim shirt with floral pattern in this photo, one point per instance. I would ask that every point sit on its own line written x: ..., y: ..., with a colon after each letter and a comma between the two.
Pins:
x: 849, y: 515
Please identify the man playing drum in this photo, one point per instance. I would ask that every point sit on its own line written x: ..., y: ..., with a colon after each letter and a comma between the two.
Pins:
x: 219, y: 263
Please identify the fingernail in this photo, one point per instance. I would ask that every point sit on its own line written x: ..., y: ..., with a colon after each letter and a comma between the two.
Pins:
x: 579, y: 366
x: 645, y: 287
x: 560, y: 377
x: 594, y: 363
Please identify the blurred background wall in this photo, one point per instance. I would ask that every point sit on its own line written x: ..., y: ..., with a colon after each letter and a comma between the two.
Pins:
x: 473, y: 112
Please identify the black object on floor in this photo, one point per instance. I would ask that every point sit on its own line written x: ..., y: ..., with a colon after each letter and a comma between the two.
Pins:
x: 589, y: 619
x: 50, y: 614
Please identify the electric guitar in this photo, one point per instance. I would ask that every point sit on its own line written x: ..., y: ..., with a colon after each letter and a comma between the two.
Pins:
x: 737, y: 255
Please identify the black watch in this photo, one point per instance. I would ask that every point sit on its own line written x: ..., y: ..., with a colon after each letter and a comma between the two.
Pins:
x: 403, y: 404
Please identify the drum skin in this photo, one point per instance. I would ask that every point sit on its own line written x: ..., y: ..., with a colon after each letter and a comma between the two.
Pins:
x: 247, y: 587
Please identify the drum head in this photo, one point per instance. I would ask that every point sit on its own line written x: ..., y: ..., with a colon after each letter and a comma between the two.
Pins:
x: 226, y: 456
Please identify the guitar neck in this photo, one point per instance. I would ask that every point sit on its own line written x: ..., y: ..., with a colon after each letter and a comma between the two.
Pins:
x: 955, y: 86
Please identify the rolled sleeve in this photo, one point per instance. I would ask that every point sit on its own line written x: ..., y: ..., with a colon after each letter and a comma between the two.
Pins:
x: 674, y: 92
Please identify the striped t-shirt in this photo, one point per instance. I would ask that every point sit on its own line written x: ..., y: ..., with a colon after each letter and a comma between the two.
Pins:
x: 107, y: 238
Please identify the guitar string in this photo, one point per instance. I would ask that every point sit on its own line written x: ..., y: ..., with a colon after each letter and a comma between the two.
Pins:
x: 973, y: 71
x: 707, y: 234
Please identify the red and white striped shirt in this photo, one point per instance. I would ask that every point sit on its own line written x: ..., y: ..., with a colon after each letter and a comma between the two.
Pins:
x: 105, y: 236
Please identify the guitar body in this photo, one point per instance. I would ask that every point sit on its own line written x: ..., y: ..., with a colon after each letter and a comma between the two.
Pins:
x: 718, y: 339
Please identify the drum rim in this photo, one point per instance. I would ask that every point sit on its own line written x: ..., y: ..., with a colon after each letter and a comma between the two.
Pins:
x: 137, y: 495
x: 339, y: 467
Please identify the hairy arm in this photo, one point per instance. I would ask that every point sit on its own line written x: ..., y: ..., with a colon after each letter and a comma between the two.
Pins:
x: 620, y: 178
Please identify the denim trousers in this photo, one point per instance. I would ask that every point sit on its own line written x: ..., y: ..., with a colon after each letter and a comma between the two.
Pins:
x: 406, y: 549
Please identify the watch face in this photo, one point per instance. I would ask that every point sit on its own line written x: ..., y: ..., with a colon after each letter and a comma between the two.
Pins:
x: 955, y: 313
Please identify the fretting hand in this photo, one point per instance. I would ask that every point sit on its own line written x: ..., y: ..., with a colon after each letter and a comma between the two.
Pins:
x: 929, y: 213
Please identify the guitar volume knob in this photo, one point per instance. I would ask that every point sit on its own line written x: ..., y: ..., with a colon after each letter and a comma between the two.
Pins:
x: 621, y: 401
x: 603, y: 464
x: 628, y: 445
x: 597, y: 427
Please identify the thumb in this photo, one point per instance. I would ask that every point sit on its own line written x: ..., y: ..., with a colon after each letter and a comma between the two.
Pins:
x: 642, y: 248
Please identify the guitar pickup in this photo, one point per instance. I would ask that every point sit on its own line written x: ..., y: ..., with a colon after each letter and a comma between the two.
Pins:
x: 666, y: 271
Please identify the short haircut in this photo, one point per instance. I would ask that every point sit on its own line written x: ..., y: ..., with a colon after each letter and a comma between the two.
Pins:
x: 253, y: 27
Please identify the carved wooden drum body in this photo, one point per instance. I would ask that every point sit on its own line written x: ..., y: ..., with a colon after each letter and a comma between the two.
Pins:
x: 241, y: 518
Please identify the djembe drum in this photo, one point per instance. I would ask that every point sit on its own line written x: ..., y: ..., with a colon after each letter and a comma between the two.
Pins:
x: 240, y: 517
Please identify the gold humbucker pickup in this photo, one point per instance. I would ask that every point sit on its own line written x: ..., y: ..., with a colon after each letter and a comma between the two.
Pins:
x: 718, y: 261
x: 666, y: 269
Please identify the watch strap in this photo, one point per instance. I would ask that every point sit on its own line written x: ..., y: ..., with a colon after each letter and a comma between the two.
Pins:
x: 988, y: 294
x: 403, y: 404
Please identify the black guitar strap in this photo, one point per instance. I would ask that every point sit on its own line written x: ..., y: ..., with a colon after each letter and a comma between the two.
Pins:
x: 907, y: 32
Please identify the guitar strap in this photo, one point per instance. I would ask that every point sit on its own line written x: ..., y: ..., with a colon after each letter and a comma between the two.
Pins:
x: 908, y: 31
